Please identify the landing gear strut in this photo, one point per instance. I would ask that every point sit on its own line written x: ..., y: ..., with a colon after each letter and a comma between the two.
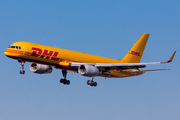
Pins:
x: 22, y: 66
x: 64, y: 80
x: 91, y: 82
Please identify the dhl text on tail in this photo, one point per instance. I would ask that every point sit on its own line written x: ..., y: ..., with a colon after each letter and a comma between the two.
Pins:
x: 43, y: 58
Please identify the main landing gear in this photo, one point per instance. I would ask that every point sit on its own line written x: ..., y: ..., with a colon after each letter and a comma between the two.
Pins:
x: 64, y: 80
x: 67, y: 82
x: 91, y: 82
x: 22, y: 66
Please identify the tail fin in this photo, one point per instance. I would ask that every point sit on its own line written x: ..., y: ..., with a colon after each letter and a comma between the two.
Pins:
x: 136, y: 52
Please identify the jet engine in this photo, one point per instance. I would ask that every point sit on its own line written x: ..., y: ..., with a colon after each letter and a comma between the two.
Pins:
x: 88, y: 70
x: 40, y: 69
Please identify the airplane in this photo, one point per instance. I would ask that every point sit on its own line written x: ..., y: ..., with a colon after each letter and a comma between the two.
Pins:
x: 43, y: 58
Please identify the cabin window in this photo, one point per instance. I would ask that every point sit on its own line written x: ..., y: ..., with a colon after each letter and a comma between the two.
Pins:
x: 16, y: 47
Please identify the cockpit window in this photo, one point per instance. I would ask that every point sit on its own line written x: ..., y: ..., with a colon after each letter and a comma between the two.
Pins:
x: 11, y: 46
x: 16, y: 47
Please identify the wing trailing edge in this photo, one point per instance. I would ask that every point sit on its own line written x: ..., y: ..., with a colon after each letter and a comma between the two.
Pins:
x: 123, y: 65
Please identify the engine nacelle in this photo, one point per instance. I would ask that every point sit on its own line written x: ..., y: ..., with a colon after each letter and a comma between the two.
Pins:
x: 40, y: 69
x: 88, y: 70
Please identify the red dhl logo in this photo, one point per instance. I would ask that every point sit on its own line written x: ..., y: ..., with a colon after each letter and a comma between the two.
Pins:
x: 47, y: 54
x: 134, y: 53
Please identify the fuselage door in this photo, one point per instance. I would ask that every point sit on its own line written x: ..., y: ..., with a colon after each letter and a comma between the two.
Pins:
x: 25, y: 48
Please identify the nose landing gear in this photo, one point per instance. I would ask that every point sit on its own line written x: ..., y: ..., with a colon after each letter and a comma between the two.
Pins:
x: 22, y: 66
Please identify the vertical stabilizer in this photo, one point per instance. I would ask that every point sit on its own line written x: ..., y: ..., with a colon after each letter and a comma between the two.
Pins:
x: 136, y: 52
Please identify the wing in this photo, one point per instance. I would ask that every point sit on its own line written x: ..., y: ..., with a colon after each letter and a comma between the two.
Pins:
x: 122, y: 66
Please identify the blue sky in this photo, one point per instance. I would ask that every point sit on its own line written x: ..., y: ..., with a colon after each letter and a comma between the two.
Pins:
x: 100, y: 27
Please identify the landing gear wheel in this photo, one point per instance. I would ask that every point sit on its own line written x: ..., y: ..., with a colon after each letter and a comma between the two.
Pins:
x: 64, y: 81
x: 61, y: 80
x: 91, y: 84
x: 88, y: 82
x: 67, y: 82
x: 95, y: 84
x: 22, y: 72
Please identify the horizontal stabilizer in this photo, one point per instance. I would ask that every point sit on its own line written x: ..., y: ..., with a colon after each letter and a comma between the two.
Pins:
x: 150, y: 70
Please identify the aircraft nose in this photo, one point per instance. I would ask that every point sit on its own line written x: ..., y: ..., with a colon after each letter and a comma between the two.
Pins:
x: 6, y: 52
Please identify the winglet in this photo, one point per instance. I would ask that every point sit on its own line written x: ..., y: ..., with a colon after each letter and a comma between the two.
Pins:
x: 170, y: 60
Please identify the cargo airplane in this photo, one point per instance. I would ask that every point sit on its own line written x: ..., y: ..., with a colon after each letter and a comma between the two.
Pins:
x: 43, y: 58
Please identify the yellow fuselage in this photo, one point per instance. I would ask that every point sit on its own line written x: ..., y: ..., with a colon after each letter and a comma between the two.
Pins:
x: 60, y: 58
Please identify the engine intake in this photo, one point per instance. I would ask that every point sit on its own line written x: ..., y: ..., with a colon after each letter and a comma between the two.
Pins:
x: 88, y: 70
x: 40, y: 69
